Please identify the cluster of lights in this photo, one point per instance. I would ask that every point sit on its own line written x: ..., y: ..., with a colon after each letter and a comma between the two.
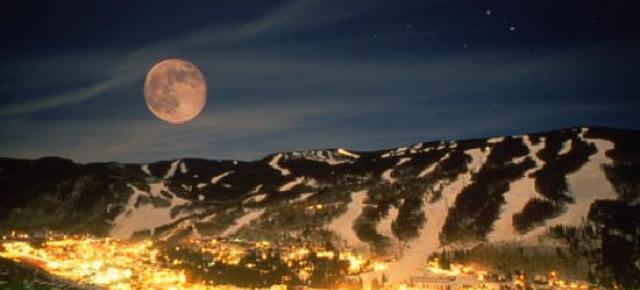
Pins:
x: 455, y: 269
x: 224, y: 253
x: 562, y: 284
x: 114, y: 264
x: 297, y: 257
x: 102, y: 262
x: 471, y: 272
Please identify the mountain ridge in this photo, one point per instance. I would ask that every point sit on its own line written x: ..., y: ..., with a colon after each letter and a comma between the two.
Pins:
x: 420, y: 198
x: 545, y: 131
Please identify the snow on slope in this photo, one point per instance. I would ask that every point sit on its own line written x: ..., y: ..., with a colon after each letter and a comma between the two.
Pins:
x: 478, y: 158
x: 274, y: 164
x: 495, y: 140
x: 145, y: 169
x: 259, y: 197
x: 326, y: 156
x: 256, y: 189
x: 243, y: 221
x: 384, y: 226
x: 414, y: 256
x: 566, y: 147
x: 586, y: 185
x: 432, y: 167
x: 302, y: 197
x: 403, y: 161
x: 172, y: 169
x: 291, y: 184
x: 397, y: 152
x: 343, y: 225
x: 520, y: 192
x: 386, y: 176
x: 348, y: 153
x: 145, y: 217
x: 219, y: 177
x: 183, y: 168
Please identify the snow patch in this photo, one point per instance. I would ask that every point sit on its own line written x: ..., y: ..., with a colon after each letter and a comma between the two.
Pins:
x: 325, y: 156
x: 566, y: 147
x: 311, y: 182
x: 347, y: 153
x: 274, y: 164
x: 415, y: 255
x: 403, y: 161
x: 587, y: 185
x: 200, y: 197
x: 520, y: 192
x: 478, y: 158
x: 145, y: 169
x: 397, y: 152
x: 291, y: 184
x: 583, y: 130
x: 183, y: 168
x: 432, y: 167
x: 259, y: 197
x: 172, y: 169
x: 384, y: 226
x: 343, y: 225
x: 495, y: 140
x: 256, y: 189
x: 219, y: 177
x: 386, y: 176
x: 244, y: 220
x: 147, y: 216
x: 302, y: 197
x: 208, y: 218
x: 181, y: 226
x: 520, y: 159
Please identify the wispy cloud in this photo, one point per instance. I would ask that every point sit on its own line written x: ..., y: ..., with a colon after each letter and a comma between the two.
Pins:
x: 127, y: 69
x: 149, y: 139
x: 273, y: 88
x: 66, y: 98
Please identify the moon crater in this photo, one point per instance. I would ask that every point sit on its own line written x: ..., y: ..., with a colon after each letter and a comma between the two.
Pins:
x: 175, y: 91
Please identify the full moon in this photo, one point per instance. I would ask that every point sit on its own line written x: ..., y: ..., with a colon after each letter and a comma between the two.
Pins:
x: 175, y: 90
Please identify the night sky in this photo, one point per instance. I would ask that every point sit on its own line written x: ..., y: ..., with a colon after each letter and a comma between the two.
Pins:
x: 294, y: 75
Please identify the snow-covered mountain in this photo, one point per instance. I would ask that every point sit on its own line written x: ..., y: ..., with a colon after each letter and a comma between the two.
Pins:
x: 421, y: 198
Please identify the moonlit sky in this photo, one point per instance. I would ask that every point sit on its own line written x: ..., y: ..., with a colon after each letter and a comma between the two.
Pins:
x: 293, y: 75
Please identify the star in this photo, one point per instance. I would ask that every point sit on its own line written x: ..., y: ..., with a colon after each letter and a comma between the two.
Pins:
x: 512, y: 28
x: 488, y: 12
